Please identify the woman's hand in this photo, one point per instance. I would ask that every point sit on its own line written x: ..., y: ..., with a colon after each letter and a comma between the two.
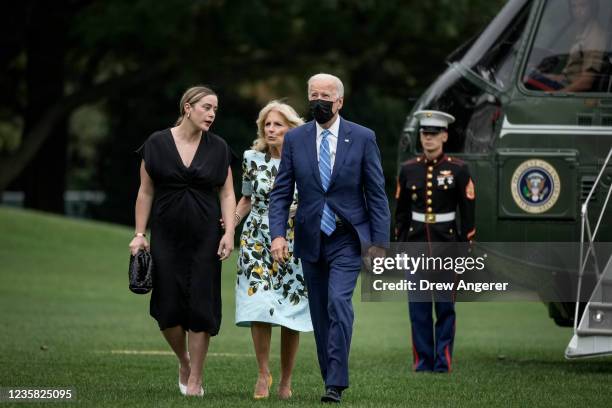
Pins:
x: 292, y: 210
x: 226, y: 246
x: 237, y: 218
x: 137, y: 244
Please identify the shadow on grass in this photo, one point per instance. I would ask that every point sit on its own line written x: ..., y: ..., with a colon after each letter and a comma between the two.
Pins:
x: 577, y: 367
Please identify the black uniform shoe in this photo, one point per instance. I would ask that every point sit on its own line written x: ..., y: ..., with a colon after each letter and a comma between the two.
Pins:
x: 332, y: 394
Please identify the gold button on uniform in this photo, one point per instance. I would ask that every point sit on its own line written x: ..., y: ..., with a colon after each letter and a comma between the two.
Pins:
x: 429, y: 209
x: 429, y: 184
x: 413, y: 187
x: 450, y: 231
x: 430, y: 176
x: 430, y: 168
x: 429, y: 201
x: 429, y: 192
x: 446, y: 187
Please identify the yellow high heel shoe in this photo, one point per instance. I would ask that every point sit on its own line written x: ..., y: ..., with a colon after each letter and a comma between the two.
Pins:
x: 267, y: 394
x: 284, y: 396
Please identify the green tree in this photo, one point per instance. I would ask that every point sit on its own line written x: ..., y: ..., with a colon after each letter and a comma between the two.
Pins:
x: 130, y: 61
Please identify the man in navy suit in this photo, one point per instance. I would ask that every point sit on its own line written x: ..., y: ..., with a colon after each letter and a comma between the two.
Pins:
x: 342, y: 208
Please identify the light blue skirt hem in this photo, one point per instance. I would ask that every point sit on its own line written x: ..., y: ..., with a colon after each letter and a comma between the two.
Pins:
x: 275, y: 323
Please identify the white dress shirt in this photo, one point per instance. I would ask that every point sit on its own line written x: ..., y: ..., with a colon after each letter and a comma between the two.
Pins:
x: 332, y: 139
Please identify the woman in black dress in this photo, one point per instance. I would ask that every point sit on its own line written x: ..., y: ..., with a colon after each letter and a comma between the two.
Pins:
x: 186, y: 186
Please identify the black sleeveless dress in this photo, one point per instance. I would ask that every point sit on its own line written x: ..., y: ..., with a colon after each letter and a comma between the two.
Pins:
x: 185, y: 231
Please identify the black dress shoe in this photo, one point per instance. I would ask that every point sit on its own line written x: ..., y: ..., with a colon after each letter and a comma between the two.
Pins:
x: 332, y: 395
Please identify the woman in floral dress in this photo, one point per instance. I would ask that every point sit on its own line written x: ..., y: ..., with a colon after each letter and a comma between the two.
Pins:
x: 268, y: 294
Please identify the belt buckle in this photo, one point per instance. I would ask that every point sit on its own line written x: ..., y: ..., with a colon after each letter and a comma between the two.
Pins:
x: 430, y: 218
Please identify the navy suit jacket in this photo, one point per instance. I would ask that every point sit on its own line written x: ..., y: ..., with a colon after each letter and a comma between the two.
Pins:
x: 356, y: 192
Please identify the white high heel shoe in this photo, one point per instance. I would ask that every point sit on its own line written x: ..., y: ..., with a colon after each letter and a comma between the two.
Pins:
x: 199, y: 394
x: 182, y: 388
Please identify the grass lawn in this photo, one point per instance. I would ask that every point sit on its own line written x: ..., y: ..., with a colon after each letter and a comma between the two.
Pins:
x: 67, y: 319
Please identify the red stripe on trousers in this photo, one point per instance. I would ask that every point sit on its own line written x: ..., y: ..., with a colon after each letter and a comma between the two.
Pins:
x: 415, y: 355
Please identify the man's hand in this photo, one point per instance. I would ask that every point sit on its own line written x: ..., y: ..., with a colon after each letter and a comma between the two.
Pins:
x: 373, y: 252
x: 555, y: 77
x: 376, y: 252
x: 280, y: 250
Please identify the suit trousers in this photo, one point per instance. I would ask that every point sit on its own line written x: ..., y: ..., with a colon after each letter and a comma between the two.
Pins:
x: 331, y: 281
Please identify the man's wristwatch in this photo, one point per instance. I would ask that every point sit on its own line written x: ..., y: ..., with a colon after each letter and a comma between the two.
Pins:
x: 140, y: 234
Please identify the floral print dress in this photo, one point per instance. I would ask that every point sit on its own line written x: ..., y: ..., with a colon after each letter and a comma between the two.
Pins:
x: 266, y: 291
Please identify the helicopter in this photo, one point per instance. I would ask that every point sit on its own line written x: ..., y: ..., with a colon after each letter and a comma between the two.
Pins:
x: 532, y: 98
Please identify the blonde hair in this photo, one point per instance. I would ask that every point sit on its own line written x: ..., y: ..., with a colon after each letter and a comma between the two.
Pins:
x: 191, y: 96
x: 287, y: 112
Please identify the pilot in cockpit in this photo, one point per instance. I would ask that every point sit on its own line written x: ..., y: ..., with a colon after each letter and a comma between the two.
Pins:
x: 585, y: 59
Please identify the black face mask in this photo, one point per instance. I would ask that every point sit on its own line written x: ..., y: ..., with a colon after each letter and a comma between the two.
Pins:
x: 321, y: 110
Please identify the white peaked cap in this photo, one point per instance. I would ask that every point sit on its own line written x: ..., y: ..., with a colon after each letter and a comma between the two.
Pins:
x: 434, y: 118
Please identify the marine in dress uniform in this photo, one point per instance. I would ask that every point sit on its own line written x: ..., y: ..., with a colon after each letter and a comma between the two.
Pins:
x: 430, y: 190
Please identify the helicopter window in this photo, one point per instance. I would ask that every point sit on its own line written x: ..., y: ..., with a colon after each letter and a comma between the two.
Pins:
x: 477, y: 114
x: 494, y: 54
x: 572, y: 48
x: 496, y: 66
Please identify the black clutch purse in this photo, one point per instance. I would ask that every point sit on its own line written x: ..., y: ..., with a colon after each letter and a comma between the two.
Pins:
x: 141, y: 272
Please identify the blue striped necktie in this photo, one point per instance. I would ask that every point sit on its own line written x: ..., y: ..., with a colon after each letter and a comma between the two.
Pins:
x: 328, y: 220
